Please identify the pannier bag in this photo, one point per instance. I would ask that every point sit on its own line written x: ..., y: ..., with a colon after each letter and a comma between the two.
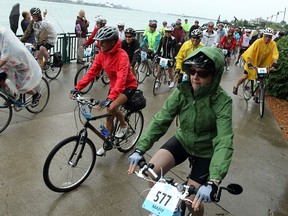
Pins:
x: 136, y: 102
x: 57, y: 59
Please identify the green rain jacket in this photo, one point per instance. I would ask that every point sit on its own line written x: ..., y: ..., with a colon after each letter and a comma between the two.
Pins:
x: 205, y: 120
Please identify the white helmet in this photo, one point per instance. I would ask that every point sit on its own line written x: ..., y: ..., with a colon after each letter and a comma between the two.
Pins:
x: 196, y: 33
x: 168, y: 28
x: 120, y: 24
x: 100, y: 19
x: 268, y: 31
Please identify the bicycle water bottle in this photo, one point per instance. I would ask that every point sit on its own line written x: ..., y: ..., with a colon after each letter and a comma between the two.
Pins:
x: 177, y: 211
x: 104, y: 131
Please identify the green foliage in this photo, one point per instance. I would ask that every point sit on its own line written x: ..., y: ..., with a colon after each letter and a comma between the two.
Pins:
x: 277, y: 84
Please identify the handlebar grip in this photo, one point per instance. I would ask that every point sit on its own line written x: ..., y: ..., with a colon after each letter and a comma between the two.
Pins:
x: 192, y: 190
x: 142, y: 162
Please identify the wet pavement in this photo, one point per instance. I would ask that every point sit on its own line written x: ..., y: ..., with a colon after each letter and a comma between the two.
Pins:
x: 259, y: 161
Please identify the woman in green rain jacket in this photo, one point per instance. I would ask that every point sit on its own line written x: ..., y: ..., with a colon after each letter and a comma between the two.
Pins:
x: 204, y: 135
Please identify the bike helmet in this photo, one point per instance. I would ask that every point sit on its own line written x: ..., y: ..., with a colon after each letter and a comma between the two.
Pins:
x: 268, y: 31
x: 120, y: 24
x: 153, y: 23
x: 199, y: 61
x: 107, y: 33
x: 178, y: 22
x: 100, y: 19
x: 35, y: 11
x: 168, y: 29
x: 130, y: 31
x: 196, y: 33
x: 248, y: 30
x: 210, y: 24
x: 164, y: 23
x: 221, y: 24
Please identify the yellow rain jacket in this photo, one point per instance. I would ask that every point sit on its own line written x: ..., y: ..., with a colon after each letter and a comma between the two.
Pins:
x: 186, y: 49
x: 261, y: 54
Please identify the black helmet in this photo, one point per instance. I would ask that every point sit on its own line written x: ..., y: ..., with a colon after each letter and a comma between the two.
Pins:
x: 107, y: 33
x: 35, y: 11
x: 199, y: 61
x: 130, y: 31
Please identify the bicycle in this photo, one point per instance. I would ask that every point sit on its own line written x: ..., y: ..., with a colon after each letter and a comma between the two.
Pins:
x: 162, y: 76
x: 250, y: 87
x: 7, y: 102
x: 146, y: 66
x: 90, y: 53
x: 71, y: 161
x: 167, y: 195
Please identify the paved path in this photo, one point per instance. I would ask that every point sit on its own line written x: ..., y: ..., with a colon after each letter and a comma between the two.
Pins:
x: 259, y: 162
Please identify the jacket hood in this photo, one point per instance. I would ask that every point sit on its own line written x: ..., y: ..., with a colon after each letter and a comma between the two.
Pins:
x: 217, y: 56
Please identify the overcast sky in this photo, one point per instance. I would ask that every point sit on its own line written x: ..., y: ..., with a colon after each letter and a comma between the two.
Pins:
x: 242, y: 9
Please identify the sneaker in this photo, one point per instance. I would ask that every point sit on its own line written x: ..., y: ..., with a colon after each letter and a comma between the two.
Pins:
x: 157, y: 84
x: 101, y: 152
x: 228, y: 68
x: 256, y: 99
x: 46, y: 65
x: 171, y: 85
x: 121, y: 132
x: 147, y: 74
x: 235, y: 90
x: 35, y: 99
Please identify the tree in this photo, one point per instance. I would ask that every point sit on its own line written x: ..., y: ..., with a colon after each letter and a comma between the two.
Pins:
x: 277, y: 84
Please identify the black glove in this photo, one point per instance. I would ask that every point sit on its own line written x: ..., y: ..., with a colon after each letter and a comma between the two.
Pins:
x: 274, y: 65
x: 105, y: 103
x: 250, y: 66
x: 74, y: 92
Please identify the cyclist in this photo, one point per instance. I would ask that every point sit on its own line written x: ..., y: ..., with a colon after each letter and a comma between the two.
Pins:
x: 100, y: 22
x: 244, y: 43
x: 220, y: 33
x: 187, y: 48
x: 123, y: 83
x: 204, y: 135
x: 167, y: 49
x: 179, y: 34
x: 130, y: 45
x: 152, y: 37
x: 262, y: 53
x: 228, y: 42
x: 121, y: 31
x: 162, y: 30
x: 45, y: 34
x: 209, y: 35
x: 17, y: 63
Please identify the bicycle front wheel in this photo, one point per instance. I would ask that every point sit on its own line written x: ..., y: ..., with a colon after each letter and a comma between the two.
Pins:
x: 53, y: 72
x: 79, y: 75
x: 104, y: 77
x: 5, y: 112
x: 247, y: 89
x: 69, y: 164
x: 141, y: 72
x: 42, y: 88
x: 261, y: 99
x: 156, y: 86
x: 135, y: 121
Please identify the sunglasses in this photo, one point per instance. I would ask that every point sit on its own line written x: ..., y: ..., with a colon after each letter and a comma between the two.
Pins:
x: 200, y: 72
x: 128, y: 36
x: 196, y: 38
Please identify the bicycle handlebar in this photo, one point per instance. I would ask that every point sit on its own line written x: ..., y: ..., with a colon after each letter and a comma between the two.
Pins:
x: 83, y: 100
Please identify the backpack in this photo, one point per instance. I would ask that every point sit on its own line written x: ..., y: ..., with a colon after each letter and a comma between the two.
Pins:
x: 136, y: 102
x: 57, y: 59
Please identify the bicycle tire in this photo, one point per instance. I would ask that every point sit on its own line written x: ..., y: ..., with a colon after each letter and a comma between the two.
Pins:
x: 104, y: 77
x: 156, y: 86
x: 42, y: 88
x: 261, y: 99
x: 53, y: 72
x: 79, y: 75
x: 154, y: 69
x: 6, y: 112
x: 141, y: 72
x: 58, y: 173
x: 247, y: 89
x: 135, y: 121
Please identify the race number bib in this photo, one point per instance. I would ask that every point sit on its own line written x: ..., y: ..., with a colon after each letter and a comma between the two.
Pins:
x: 163, y: 62
x: 262, y: 71
x: 87, y: 52
x: 162, y: 199
x: 143, y: 55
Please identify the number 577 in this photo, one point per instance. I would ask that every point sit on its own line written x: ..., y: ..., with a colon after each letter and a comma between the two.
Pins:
x: 160, y: 197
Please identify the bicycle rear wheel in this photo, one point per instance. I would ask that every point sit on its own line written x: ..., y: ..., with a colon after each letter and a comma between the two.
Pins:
x: 261, y: 99
x: 42, y: 88
x: 141, y: 72
x: 104, y: 77
x: 135, y: 121
x: 69, y: 164
x: 247, y: 89
x: 5, y: 112
x: 53, y: 72
x: 79, y: 75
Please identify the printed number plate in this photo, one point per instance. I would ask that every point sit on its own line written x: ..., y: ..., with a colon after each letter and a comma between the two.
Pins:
x: 87, y: 52
x: 163, y: 62
x: 262, y: 71
x: 143, y: 55
x: 85, y: 111
x: 162, y: 199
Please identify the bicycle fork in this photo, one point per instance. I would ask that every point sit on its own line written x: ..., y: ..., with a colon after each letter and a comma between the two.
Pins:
x: 78, y: 149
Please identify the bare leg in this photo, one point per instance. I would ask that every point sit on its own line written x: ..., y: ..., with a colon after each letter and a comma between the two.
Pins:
x: 171, y: 74
x: 241, y: 80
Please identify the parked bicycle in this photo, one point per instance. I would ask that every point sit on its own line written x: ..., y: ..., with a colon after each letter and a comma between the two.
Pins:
x: 167, y: 195
x: 162, y: 76
x: 90, y: 54
x: 147, y: 65
x: 71, y: 161
x: 250, y: 87
x: 7, y: 102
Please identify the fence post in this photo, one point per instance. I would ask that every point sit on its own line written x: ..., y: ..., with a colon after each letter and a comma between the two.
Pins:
x: 65, y: 56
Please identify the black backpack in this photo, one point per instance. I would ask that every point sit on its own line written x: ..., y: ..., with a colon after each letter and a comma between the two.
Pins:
x: 57, y: 59
x: 136, y: 102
